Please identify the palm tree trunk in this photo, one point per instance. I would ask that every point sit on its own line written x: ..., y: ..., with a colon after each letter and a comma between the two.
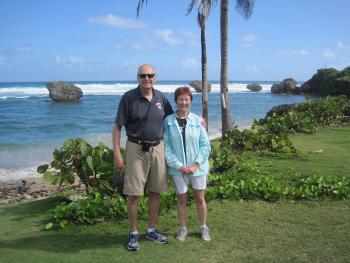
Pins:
x: 204, y: 76
x: 226, y: 118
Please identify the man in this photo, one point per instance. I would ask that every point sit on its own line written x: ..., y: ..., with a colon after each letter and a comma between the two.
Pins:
x: 142, y: 111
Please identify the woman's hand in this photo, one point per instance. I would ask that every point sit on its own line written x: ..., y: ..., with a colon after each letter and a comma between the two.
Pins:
x: 193, y: 168
x: 183, y: 169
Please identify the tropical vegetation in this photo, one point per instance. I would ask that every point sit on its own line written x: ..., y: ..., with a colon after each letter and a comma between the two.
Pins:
x: 232, y: 176
x: 329, y: 82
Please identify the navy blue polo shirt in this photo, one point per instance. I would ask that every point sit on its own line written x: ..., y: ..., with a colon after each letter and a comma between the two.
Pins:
x: 143, y: 120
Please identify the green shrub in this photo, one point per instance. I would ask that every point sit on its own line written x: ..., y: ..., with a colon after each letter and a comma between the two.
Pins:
x: 94, y: 208
x: 94, y: 166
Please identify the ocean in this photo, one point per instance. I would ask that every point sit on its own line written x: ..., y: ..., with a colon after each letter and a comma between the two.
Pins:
x: 32, y: 125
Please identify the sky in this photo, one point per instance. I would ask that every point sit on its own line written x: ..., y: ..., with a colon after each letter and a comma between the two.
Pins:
x: 90, y: 40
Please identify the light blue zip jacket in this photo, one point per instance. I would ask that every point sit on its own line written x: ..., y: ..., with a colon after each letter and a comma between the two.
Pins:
x: 197, y: 145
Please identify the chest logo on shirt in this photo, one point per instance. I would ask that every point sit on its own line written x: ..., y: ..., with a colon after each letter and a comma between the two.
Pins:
x: 159, y: 105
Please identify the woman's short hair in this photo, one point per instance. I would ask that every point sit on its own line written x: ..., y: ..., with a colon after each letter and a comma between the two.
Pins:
x: 183, y: 90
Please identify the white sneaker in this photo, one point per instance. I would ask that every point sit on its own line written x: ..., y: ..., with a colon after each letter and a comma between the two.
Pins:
x: 182, y: 233
x: 204, y: 230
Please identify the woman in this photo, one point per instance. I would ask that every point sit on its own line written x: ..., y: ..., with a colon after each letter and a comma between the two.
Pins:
x: 187, y: 149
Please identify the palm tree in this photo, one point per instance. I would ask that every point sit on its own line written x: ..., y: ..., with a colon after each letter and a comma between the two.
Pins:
x: 245, y: 8
x: 204, y: 8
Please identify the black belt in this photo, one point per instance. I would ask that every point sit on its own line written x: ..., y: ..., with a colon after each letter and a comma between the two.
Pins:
x: 142, y: 142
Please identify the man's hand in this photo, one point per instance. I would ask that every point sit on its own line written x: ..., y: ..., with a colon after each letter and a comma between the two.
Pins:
x: 118, y: 161
x: 183, y: 169
x: 203, y: 123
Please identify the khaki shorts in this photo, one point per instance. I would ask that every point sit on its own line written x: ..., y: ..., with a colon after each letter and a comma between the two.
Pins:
x: 144, y: 169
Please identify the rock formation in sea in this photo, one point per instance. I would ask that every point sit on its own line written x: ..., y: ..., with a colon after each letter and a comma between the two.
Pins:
x: 288, y: 85
x: 254, y: 87
x: 64, y: 92
x: 197, y: 85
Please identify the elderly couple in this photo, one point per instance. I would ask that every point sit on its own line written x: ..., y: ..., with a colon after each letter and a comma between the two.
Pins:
x: 148, y: 119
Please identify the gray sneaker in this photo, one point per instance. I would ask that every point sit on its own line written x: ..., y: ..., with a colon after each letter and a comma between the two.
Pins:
x: 182, y: 233
x: 133, y: 244
x: 205, y: 233
x: 156, y: 237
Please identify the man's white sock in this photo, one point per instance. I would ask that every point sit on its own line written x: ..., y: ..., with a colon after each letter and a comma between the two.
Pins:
x: 149, y: 230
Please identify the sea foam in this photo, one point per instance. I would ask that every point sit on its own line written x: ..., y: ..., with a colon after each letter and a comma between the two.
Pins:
x: 98, y: 89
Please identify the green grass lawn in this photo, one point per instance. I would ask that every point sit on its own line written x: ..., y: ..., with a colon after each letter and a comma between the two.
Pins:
x: 326, y: 152
x: 247, y: 231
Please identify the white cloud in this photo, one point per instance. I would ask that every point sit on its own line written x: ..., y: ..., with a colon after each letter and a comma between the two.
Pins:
x: 328, y: 54
x: 249, y: 38
x: 71, y: 60
x: 26, y: 49
x: 189, y: 63
x: 116, y: 21
x: 168, y: 36
x: 142, y: 45
x: 301, y: 52
x: 341, y: 45
x: 129, y: 64
x: 18, y: 50
x: 192, y: 38
x: 252, y: 68
x: 246, y: 45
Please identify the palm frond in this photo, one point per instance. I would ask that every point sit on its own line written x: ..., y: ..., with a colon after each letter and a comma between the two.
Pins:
x: 204, y: 8
x: 191, y: 6
x: 245, y: 7
x: 140, y: 5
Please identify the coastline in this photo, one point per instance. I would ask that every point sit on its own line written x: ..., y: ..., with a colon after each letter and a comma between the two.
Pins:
x: 13, y: 191
x: 29, y: 137
x: 8, y: 175
x: 34, y: 186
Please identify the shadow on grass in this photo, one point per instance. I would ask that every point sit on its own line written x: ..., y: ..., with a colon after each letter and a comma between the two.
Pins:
x: 32, y: 208
x: 67, y: 243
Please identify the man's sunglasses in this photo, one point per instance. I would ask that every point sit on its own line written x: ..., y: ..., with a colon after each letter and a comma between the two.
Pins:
x: 150, y: 76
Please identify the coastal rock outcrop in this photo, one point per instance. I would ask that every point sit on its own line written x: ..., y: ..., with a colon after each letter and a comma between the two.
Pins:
x: 288, y: 85
x: 254, y: 87
x: 64, y: 92
x: 197, y: 85
x: 284, y: 108
x: 328, y: 81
